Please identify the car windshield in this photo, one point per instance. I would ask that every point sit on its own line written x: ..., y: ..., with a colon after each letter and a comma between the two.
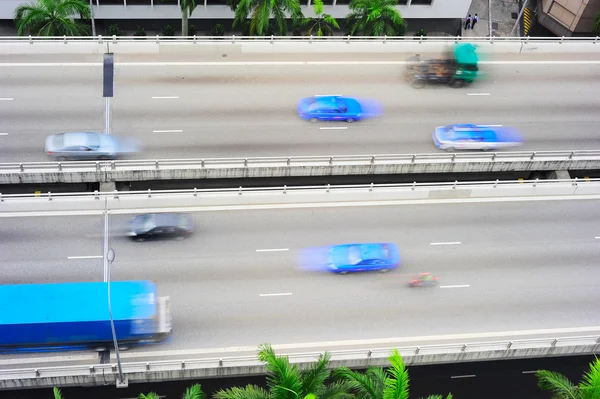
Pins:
x: 92, y: 141
x: 143, y: 222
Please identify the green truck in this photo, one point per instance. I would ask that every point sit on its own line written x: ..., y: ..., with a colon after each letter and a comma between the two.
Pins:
x: 457, y: 68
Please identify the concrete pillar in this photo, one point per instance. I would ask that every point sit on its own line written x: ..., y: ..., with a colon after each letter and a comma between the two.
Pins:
x: 107, y: 186
x: 558, y: 175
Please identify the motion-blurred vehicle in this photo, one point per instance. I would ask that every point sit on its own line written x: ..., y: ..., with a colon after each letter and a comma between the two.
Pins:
x: 347, y: 258
x: 330, y: 108
x: 424, y: 280
x: 457, y: 68
x: 475, y: 137
x: 156, y: 226
x: 74, y: 316
x: 87, y: 145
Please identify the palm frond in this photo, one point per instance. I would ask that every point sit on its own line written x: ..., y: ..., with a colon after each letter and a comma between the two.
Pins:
x: 283, y: 378
x: 315, y: 375
x: 189, y: 5
x: 557, y: 383
x: 433, y: 397
x: 151, y: 395
x: 248, y: 392
x: 194, y: 392
x: 57, y: 393
x: 336, y: 390
x: 590, y: 383
x: 362, y: 384
x: 396, y: 387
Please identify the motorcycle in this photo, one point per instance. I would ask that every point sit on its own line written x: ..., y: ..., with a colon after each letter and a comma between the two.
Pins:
x: 423, y: 283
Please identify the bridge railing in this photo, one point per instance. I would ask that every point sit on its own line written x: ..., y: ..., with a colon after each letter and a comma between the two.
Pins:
x: 309, y: 39
x: 328, y: 188
x: 289, y: 161
x: 339, y: 355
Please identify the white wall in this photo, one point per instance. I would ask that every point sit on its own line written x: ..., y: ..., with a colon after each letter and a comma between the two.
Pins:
x: 438, y: 9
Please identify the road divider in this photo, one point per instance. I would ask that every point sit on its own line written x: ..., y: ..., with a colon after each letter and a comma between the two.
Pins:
x: 252, y: 198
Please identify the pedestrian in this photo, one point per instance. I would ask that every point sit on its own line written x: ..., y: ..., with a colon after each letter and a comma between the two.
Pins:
x: 475, y: 19
x: 468, y: 22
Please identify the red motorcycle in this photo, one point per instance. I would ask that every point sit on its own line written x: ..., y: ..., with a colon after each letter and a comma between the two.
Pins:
x: 424, y: 280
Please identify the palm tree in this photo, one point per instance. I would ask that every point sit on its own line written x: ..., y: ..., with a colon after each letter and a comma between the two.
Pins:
x: 323, y: 24
x: 375, y: 18
x: 262, y: 11
x: 287, y: 381
x: 52, y: 18
x: 193, y: 392
x: 187, y: 8
x: 376, y: 383
x: 562, y: 388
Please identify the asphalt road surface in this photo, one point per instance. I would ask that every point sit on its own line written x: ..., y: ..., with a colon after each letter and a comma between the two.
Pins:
x: 502, y: 267
x: 244, y: 111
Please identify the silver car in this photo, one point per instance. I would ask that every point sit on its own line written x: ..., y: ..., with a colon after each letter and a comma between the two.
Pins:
x: 85, y: 145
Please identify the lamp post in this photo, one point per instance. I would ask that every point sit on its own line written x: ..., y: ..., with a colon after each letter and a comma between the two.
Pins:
x: 92, y: 17
x: 109, y: 257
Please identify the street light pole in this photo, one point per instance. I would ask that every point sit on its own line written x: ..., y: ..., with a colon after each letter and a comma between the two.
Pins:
x: 109, y: 257
x: 93, y: 22
x: 519, y: 17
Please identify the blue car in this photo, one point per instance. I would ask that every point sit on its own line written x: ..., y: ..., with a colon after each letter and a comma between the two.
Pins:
x: 347, y: 258
x: 330, y: 108
x: 475, y: 137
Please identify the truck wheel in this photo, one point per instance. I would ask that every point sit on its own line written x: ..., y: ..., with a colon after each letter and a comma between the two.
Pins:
x: 313, y: 120
x: 457, y: 83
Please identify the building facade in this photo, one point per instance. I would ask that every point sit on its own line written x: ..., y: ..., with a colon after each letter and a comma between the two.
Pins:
x: 219, y: 10
x: 568, y: 17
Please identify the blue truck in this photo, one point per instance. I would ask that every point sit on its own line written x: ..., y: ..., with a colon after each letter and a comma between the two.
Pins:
x: 75, y: 316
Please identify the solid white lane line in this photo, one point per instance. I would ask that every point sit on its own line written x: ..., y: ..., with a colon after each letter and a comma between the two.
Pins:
x: 167, y: 131
x: 3, y: 134
x: 278, y: 294
x: 6, y: 99
x: 446, y: 243
x: 273, y: 250
x: 530, y: 372
x: 334, y: 128
x: 463, y: 376
x: 455, y: 286
x: 165, y: 98
x: 597, y: 238
x: 478, y: 94
x: 85, y: 257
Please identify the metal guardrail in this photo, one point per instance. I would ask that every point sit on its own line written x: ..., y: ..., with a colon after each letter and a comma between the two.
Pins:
x: 96, y: 195
x: 245, y: 361
x: 332, y: 39
x: 282, y: 161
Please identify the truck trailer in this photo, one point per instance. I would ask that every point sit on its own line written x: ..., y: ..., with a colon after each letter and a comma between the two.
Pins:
x: 75, y: 316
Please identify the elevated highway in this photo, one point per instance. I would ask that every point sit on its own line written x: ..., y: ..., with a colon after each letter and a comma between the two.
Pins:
x: 506, y: 266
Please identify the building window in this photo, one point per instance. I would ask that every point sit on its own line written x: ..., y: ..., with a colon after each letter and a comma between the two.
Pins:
x: 421, y: 2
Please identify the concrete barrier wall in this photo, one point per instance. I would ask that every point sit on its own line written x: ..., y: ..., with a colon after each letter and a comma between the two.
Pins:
x: 336, y: 45
x: 93, y: 172
x: 100, y: 375
x: 199, y: 200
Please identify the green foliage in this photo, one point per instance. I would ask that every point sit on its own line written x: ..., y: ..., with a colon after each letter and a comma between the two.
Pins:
x: 396, y: 386
x: 57, y: 393
x: 52, y: 18
x: 151, y: 395
x: 322, y: 24
x: 217, y: 30
x: 139, y: 31
x: 168, y: 30
x: 596, y: 27
x: 562, y: 388
x: 420, y: 32
x: 194, y: 392
x: 192, y: 30
x: 375, y: 18
x: 264, y: 14
x: 113, y: 30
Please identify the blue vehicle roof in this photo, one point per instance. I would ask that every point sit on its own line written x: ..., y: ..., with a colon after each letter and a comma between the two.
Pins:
x: 312, y: 104
x: 76, y: 302
x: 483, y: 133
x: 351, y: 254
